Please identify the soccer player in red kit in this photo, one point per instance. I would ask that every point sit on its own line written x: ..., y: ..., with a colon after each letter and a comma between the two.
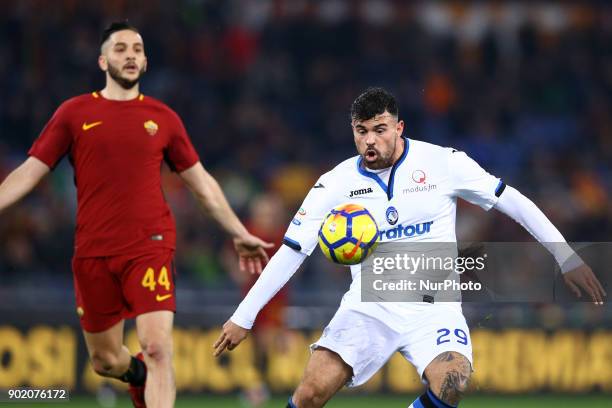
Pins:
x: 117, y: 140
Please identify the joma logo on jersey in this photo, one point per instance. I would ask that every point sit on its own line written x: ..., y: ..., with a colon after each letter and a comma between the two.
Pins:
x: 406, y: 232
x: 361, y: 191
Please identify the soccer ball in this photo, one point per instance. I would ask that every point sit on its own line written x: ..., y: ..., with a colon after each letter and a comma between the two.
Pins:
x: 348, y: 234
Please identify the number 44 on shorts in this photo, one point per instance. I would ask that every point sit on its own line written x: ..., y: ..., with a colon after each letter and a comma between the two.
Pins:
x: 149, y: 281
x: 461, y: 336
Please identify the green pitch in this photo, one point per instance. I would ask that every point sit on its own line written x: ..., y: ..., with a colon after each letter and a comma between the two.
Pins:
x: 538, y: 401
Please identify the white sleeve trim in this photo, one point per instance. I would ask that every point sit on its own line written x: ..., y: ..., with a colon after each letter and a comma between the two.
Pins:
x: 525, y: 212
x: 275, y: 275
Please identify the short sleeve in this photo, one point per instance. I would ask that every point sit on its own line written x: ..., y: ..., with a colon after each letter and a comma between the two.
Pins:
x: 303, y: 232
x: 471, y: 182
x: 180, y: 153
x: 55, y: 140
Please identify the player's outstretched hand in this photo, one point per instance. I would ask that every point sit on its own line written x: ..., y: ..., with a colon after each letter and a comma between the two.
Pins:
x: 583, y: 277
x: 231, y: 336
x: 251, y: 253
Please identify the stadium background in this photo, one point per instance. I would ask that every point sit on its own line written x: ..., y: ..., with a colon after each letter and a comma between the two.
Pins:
x: 264, y: 89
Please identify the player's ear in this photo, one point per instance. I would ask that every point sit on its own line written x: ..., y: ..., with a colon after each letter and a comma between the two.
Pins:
x: 102, y: 62
x: 400, y: 127
x: 144, y: 65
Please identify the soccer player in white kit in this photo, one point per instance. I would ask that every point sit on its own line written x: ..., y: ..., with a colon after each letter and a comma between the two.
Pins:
x: 410, y: 188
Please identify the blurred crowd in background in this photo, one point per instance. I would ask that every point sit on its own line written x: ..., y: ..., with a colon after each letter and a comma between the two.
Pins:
x: 264, y: 88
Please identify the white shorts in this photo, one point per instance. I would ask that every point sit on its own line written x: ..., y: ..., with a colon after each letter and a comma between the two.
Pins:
x: 365, y: 342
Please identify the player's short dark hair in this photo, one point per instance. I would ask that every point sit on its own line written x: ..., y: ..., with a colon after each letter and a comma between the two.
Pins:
x: 114, y: 27
x: 373, y: 101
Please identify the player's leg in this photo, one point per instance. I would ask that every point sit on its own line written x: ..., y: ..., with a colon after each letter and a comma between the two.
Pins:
x: 100, y: 307
x: 353, y: 347
x: 109, y: 357
x: 440, y: 348
x: 448, y: 376
x: 326, y: 373
x: 155, y: 337
x: 148, y: 287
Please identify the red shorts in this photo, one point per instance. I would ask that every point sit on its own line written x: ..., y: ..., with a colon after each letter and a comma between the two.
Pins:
x: 110, y: 289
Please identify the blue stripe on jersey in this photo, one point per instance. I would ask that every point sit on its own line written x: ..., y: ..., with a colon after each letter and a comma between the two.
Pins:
x: 500, y: 188
x: 396, y: 165
x: 371, y: 175
x: 290, y: 403
x: 292, y: 244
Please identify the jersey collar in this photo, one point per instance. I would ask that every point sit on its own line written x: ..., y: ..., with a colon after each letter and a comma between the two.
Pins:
x: 98, y: 95
x: 387, y: 189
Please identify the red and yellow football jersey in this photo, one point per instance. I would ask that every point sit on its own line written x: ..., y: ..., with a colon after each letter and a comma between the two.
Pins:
x: 117, y: 149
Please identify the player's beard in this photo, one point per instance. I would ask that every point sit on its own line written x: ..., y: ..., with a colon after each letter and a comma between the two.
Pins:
x: 382, y: 160
x: 125, y: 83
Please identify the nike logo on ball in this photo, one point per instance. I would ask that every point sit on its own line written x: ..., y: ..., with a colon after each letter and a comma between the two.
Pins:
x: 351, y: 254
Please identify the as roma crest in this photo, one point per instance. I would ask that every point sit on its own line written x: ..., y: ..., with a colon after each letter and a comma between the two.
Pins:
x: 151, y: 127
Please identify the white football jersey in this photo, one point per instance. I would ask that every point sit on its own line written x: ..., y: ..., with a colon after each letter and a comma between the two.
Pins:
x: 415, y: 200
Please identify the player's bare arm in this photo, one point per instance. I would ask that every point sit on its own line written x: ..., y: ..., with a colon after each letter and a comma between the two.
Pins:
x: 207, y: 191
x: 21, y: 181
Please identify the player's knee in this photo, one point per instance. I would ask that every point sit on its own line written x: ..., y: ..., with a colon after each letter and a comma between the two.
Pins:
x: 159, y: 351
x: 103, y: 362
x: 308, y: 395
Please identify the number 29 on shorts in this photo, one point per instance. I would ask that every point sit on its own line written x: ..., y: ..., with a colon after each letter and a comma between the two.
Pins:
x: 460, y: 336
